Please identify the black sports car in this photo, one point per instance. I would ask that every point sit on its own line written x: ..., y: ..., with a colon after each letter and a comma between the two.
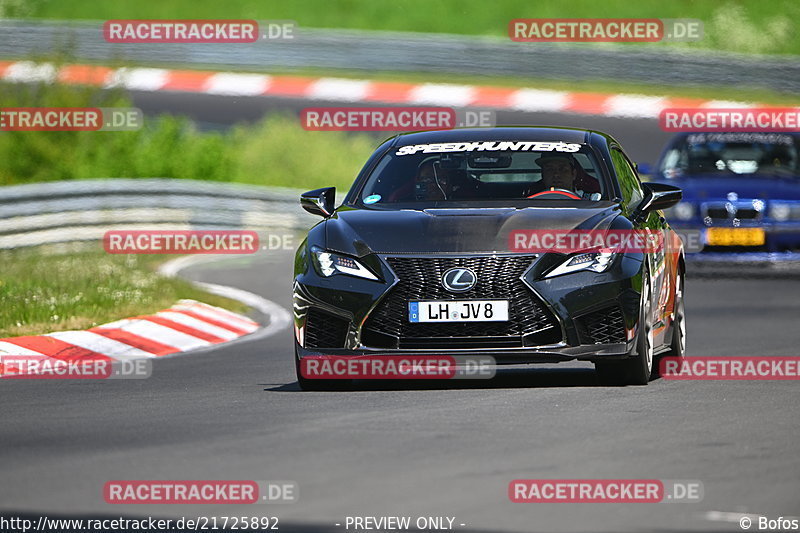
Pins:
x: 421, y: 256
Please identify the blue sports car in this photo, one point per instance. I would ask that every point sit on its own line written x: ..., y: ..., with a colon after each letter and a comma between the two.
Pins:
x: 741, y: 190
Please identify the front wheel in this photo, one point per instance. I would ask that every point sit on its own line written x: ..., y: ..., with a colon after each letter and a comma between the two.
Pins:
x: 677, y: 347
x: 637, y: 369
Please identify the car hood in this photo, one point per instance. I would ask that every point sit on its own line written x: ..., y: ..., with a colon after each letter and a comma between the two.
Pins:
x: 363, y: 231
x: 748, y: 186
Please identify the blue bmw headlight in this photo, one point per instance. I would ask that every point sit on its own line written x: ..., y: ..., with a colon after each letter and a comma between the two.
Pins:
x: 682, y: 211
x: 781, y: 211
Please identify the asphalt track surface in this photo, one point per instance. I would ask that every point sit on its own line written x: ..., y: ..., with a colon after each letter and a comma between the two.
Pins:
x: 423, y: 449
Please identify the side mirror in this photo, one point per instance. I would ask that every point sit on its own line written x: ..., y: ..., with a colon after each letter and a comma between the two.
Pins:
x: 658, y: 196
x: 319, y: 201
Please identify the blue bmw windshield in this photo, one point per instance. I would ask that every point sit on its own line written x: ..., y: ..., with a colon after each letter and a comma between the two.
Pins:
x: 723, y: 154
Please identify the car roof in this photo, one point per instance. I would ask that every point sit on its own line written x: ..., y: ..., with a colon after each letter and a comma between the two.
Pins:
x: 504, y: 133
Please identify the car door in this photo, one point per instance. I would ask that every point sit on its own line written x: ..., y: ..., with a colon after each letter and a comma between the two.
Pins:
x: 654, y: 222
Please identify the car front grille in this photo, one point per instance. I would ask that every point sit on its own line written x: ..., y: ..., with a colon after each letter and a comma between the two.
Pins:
x: 746, y: 213
x: 324, y: 330
x: 530, y: 322
x: 717, y: 212
x: 605, y: 326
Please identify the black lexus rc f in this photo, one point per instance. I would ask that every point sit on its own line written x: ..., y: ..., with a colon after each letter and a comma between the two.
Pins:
x: 421, y: 244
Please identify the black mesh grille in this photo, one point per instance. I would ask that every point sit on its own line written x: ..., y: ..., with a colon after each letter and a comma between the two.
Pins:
x: 604, y: 327
x: 529, y: 324
x: 324, y: 330
x: 746, y: 213
x: 717, y: 212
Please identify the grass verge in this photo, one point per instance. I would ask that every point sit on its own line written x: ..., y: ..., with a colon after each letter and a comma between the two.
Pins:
x: 276, y: 151
x: 44, y: 290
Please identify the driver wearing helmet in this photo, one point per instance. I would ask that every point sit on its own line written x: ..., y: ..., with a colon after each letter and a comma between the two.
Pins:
x: 561, y: 176
x: 433, y: 182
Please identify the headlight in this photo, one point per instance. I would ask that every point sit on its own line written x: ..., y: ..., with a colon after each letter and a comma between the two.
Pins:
x: 329, y: 263
x: 594, y: 261
x: 780, y: 212
x: 683, y: 211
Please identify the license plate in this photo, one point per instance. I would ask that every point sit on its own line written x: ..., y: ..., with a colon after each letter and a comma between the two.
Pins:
x: 735, y: 237
x: 458, y: 311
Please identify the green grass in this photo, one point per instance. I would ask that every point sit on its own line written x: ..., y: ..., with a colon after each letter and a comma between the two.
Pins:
x: 276, y: 151
x: 44, y: 290
x: 748, y: 26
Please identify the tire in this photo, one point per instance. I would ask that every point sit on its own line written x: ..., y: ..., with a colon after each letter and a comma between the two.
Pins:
x: 638, y: 368
x: 317, y: 384
x: 677, y: 347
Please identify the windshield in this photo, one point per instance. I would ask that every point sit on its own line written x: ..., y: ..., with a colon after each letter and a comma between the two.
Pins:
x: 465, y: 172
x: 732, y: 153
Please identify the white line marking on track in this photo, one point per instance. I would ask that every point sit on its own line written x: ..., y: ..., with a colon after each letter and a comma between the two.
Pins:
x: 635, y: 106
x: 9, y: 348
x: 191, y: 322
x: 28, y: 71
x: 338, y: 89
x: 539, y: 100
x: 97, y: 343
x: 233, y: 84
x: 162, y: 334
x: 212, y: 314
x: 140, y: 79
x: 442, y: 94
x: 224, y: 312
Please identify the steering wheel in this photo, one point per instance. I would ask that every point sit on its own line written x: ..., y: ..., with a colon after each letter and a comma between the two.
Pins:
x: 556, y: 194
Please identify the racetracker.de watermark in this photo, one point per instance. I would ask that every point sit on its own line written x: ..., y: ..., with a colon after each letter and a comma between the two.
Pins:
x: 71, y: 119
x: 397, y: 367
x: 197, y: 31
x: 181, y: 242
x: 571, y: 241
x: 200, y: 492
x: 584, y: 30
x: 710, y: 368
x: 393, y: 118
x: 605, y: 491
x: 730, y: 119
x: 42, y: 367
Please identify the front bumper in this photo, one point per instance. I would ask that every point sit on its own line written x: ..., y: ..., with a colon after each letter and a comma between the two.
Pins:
x: 541, y: 354
x: 592, y: 315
